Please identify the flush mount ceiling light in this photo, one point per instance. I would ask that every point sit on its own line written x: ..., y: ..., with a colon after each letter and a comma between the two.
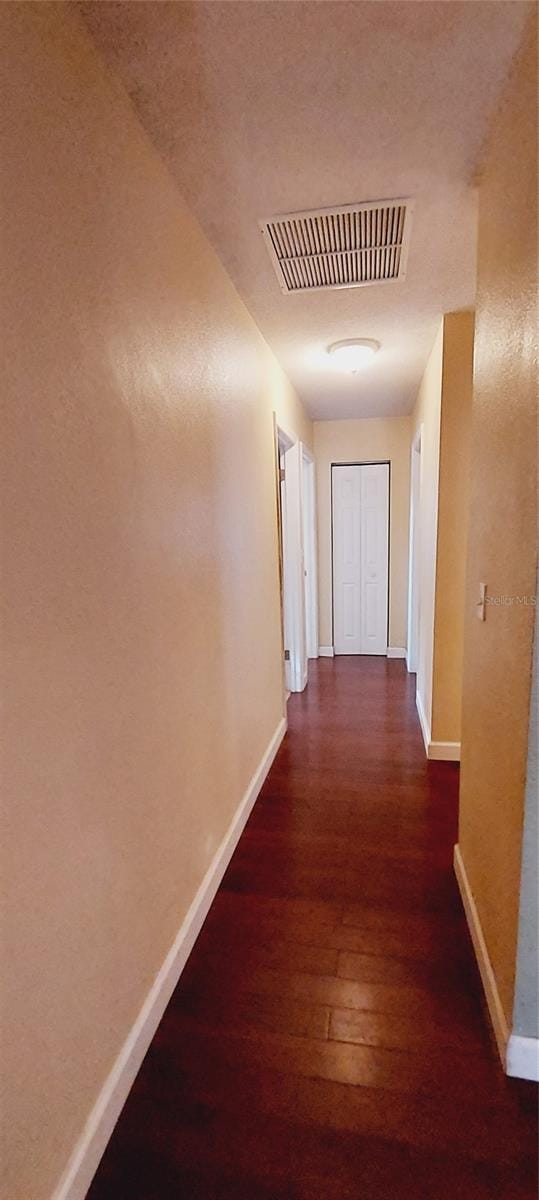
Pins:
x: 353, y: 354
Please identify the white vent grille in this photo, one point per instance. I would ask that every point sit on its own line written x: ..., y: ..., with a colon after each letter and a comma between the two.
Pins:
x: 352, y: 246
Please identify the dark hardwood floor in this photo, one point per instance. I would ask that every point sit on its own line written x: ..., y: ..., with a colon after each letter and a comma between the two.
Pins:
x: 327, y: 1040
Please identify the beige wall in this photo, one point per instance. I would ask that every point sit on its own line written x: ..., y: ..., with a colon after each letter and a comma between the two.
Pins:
x: 442, y: 414
x: 453, y: 502
x: 503, y: 526
x: 426, y: 419
x: 364, y: 441
x: 142, y: 672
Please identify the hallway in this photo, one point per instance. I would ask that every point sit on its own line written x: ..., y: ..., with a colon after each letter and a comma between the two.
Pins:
x: 328, y: 1040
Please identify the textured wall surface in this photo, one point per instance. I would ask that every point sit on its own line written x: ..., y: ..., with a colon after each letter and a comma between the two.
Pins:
x: 453, y: 502
x: 141, y: 630
x: 526, y: 1010
x: 426, y: 417
x: 503, y: 525
x: 364, y: 441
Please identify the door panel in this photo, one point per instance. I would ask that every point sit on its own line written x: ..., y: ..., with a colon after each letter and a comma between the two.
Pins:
x: 346, y: 559
x: 360, y: 558
x: 374, y: 497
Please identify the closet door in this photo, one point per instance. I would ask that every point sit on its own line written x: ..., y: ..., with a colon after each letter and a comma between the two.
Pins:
x: 360, y: 513
x: 346, y: 560
x: 374, y: 521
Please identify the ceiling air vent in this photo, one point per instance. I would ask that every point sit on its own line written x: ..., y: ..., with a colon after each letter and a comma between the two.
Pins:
x: 355, y: 245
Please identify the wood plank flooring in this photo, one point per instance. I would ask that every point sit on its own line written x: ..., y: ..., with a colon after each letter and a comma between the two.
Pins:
x: 328, y: 1039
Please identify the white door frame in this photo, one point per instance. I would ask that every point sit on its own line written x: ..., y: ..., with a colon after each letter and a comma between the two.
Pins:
x: 414, y: 563
x: 308, y: 492
x: 290, y: 450
x: 283, y: 444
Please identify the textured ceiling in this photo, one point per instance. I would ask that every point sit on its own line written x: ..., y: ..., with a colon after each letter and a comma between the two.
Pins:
x: 264, y: 108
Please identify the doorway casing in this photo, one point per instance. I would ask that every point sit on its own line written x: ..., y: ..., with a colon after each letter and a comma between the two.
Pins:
x: 414, y: 569
x: 299, y: 559
x: 310, y: 557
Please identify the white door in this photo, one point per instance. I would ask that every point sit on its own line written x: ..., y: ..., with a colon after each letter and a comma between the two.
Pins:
x: 309, y: 554
x: 293, y: 577
x: 360, y: 554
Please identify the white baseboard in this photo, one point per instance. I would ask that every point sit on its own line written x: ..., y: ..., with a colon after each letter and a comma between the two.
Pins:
x: 444, y: 751
x: 396, y: 652
x: 425, y: 728
x: 523, y: 1057
x: 326, y: 651
x: 497, y: 1015
x: 438, y: 751
x: 99, y: 1126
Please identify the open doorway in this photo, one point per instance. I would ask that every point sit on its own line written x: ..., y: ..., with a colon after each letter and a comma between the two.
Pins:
x: 297, y: 544
x: 284, y: 443
x: 412, y: 653
x: 310, y: 564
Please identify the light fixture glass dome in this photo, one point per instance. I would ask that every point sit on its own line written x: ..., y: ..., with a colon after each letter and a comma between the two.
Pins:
x: 354, y: 353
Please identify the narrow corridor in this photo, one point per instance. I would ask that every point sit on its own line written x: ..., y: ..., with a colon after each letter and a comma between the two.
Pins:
x: 328, y: 1040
